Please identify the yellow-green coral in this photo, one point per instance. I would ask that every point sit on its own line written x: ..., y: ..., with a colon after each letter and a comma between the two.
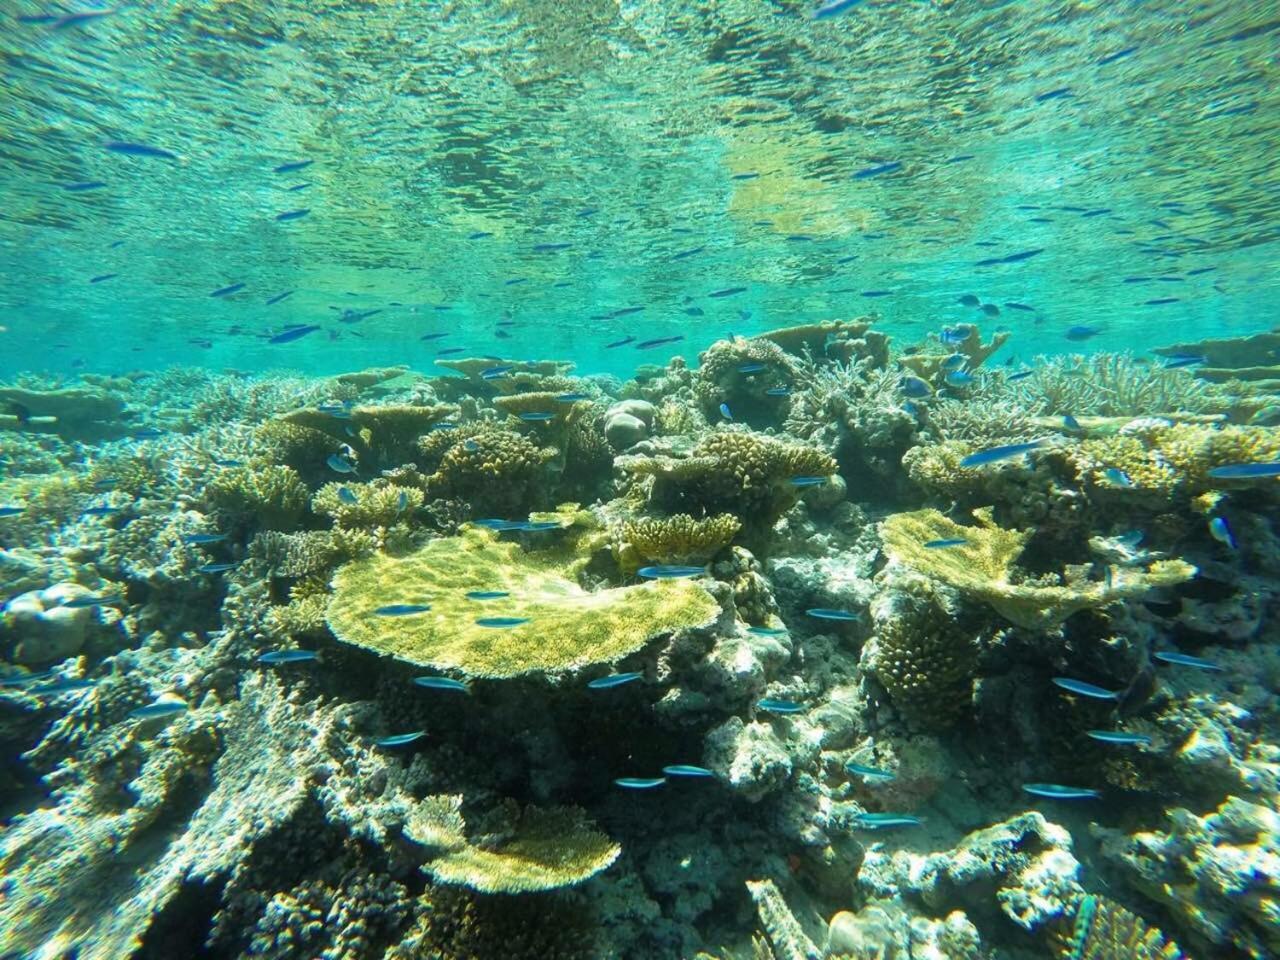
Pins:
x: 540, y: 850
x: 921, y: 655
x: 309, y: 552
x: 679, y: 539
x: 384, y: 434
x: 376, y: 504
x: 270, y: 497
x: 295, y: 445
x: 720, y: 379
x: 983, y: 567
x: 502, y: 474
x: 567, y: 627
x: 1103, y: 930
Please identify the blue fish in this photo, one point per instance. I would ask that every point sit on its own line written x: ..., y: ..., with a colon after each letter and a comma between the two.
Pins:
x: 774, y: 705
x: 1117, y: 477
x: 450, y: 351
x: 870, y: 773
x: 487, y: 594
x: 640, y: 783
x: 339, y: 464
x: 11, y: 510
x: 500, y: 622
x: 1179, y: 361
x: 139, y: 150
x: 1185, y: 660
x: 768, y: 631
x: 196, y: 539
x: 442, y: 683
x: 725, y: 412
x: 866, y: 173
x: 400, y: 739
x: 1012, y: 305
x: 216, y: 567
x: 1080, y: 333
x: 24, y: 679
x: 147, y: 433
x: 726, y: 292
x: 670, y: 572
x: 1086, y: 689
x: 683, y: 254
x: 63, y: 686
x: 1118, y: 55
x: 1011, y: 258
x: 833, y: 8
x: 1220, y: 530
x: 550, y: 247
x: 1245, y: 471
x: 915, y: 388
x: 293, y: 214
x: 997, y: 454
x: 401, y: 609
x: 646, y: 344
x: 954, y: 336
x: 1159, y: 301
x: 432, y: 336
x: 479, y: 235
x: 886, y: 821
x: 969, y: 300
x: 228, y: 463
x: 944, y: 544
x: 1120, y: 737
x: 959, y: 378
x: 620, y: 343
x: 99, y: 511
x: 957, y: 361
x: 278, y: 297
x: 807, y: 481
x: 991, y: 310
x: 572, y: 397
x: 1056, y: 791
x: 827, y: 613
x: 288, y: 656
x: 1020, y: 375
x: 1071, y: 423
x: 161, y: 708
x: 298, y: 186
x: 1059, y: 94
x: 752, y: 367
x: 686, y: 770
x: 83, y: 186
x: 537, y: 417
x: 538, y: 526
x: 228, y: 290
x: 82, y: 603
x: 100, y: 278
x: 347, y: 496
x: 294, y: 333
x: 614, y: 680
x: 778, y: 392
x: 694, y: 311
x: 293, y: 166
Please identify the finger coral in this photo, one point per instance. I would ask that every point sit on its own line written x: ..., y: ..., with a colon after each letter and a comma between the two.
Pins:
x: 982, y: 566
x: 679, y: 539
x: 268, y: 498
x: 556, y: 625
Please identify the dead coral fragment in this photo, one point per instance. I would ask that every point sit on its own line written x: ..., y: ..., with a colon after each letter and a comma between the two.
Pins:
x: 983, y: 567
x: 542, y: 850
x: 561, y: 626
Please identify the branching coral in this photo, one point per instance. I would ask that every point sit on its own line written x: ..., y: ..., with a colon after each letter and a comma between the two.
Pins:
x: 556, y: 624
x: 678, y: 539
x: 1110, y: 384
x: 268, y: 498
x: 1104, y: 930
x: 365, y: 505
x: 538, y: 850
x: 982, y: 567
x: 502, y: 474
x: 928, y: 366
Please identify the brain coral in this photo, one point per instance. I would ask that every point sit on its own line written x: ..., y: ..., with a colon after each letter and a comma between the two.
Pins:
x: 567, y: 627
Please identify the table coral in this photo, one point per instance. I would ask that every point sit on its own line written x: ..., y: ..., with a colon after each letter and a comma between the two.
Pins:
x: 567, y: 627
x: 983, y: 567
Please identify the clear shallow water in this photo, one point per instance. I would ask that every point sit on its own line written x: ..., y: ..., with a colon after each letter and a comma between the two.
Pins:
x: 616, y: 156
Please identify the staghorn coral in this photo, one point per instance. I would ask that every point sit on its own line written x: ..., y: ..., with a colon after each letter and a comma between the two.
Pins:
x: 499, y: 474
x: 678, y: 539
x: 1109, y: 384
x: 787, y: 939
x: 1104, y: 930
x: 981, y: 421
x: 983, y: 568
x: 536, y: 850
x: 377, y: 504
x: 303, y: 448
x: 721, y: 379
x: 309, y: 552
x: 572, y: 627
x: 268, y: 498
x: 921, y: 654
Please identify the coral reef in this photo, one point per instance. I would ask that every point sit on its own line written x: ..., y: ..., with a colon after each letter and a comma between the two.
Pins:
x: 677, y: 539
x: 498, y: 474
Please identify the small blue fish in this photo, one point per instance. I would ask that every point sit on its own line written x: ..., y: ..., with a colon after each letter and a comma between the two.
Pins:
x: 538, y: 526
x: 161, y: 708
x: 640, y: 783
x: 11, y: 510
x: 294, y: 333
x: 1130, y: 538
x: 500, y: 622
x: 807, y: 481
x: 24, y: 679
x: 572, y: 397
x: 752, y: 367
x: 487, y: 594
x: 293, y: 214
x: 1185, y: 660
x: 1086, y: 689
x: 1118, y: 478
x: 401, y: 609
x: 1056, y: 791
x: 969, y: 300
x: 991, y: 310
x: 619, y: 343
x: 293, y: 166
x: 1220, y: 530
x: 725, y: 412
x: 686, y: 770
x: 1071, y: 423
x: 227, y: 291
x: 339, y: 464
x: 1080, y: 333
x: 880, y: 169
x: 768, y: 631
x: 501, y: 526
x: 278, y: 297
x: 62, y: 686
x: 1020, y: 375
x: 997, y: 454
x: 670, y: 572
x: 197, y: 539
x: 886, y: 821
x: 959, y: 378
x: 833, y: 8
x: 102, y: 277
x: 945, y: 544
x: 827, y: 613
x: 537, y: 417
x: 216, y: 567
x: 82, y: 603
x: 1245, y: 471
x: 646, y: 344
x: 99, y: 511
x: 726, y: 292
x: 347, y: 496
x: 778, y: 392
x: 83, y: 186
x: 956, y: 361
x: 916, y: 388
x: 774, y: 705
x: 288, y: 656
x: 614, y: 680
x: 1178, y: 362
x: 400, y: 739
x: 228, y: 463
x: 139, y: 150
x: 147, y: 433
x: 1059, y: 94
x: 442, y: 683
x: 1019, y: 306
x: 870, y: 773
x: 1120, y: 737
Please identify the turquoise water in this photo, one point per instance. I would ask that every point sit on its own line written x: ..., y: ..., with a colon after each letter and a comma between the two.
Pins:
x: 627, y: 131
x: 639, y: 480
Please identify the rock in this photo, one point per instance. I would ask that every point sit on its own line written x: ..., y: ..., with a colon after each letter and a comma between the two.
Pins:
x: 642, y: 410
x: 623, y: 430
x: 41, y: 629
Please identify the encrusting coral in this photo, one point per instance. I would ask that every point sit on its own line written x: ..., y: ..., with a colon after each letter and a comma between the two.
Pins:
x: 981, y: 565
x: 555, y: 624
